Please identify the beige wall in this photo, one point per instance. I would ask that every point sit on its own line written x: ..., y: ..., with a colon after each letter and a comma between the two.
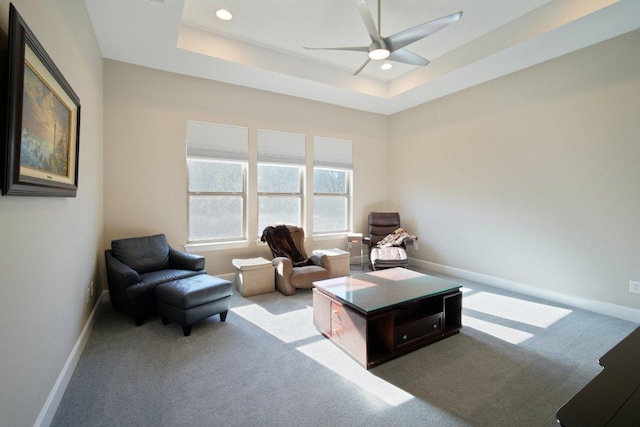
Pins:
x: 529, y: 178
x: 50, y: 247
x: 532, y: 177
x: 145, y: 168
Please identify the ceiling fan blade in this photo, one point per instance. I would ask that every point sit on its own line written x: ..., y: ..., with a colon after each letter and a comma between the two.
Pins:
x: 407, y: 57
x: 365, y: 13
x: 406, y: 37
x: 355, y: 73
x: 350, y: 48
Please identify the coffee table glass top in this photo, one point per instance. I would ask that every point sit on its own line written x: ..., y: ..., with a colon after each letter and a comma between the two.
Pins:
x: 379, y: 289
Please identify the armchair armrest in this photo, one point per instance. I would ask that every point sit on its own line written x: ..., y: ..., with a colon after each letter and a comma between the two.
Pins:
x: 118, y: 273
x: 324, y: 261
x: 284, y: 269
x: 185, y: 261
x: 321, y: 260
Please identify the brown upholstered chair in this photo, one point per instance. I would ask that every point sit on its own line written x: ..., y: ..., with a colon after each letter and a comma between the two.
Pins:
x: 290, y: 278
x: 381, y: 224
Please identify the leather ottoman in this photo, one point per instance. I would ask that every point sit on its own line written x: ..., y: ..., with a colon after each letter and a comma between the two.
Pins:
x: 189, y: 300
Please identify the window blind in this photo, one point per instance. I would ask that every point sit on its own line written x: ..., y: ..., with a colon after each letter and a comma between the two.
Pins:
x: 211, y: 140
x: 281, y: 147
x: 332, y: 153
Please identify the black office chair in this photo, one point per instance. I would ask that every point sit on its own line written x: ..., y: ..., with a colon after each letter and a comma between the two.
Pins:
x: 392, y: 253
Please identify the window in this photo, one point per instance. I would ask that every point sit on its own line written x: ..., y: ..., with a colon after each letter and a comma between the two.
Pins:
x: 217, y: 164
x: 221, y: 178
x: 281, y: 160
x: 330, y: 200
x: 279, y: 195
x: 332, y: 171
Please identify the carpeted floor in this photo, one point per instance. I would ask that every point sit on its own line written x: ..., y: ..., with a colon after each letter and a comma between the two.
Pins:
x: 515, y: 362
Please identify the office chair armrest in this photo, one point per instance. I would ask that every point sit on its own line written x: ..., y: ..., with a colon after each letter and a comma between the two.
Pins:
x: 409, y: 240
x: 366, y: 241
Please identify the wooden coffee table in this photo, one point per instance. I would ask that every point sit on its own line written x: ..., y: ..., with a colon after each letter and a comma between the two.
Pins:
x: 378, y: 316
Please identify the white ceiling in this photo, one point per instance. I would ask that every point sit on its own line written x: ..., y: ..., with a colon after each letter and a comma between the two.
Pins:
x: 262, y: 47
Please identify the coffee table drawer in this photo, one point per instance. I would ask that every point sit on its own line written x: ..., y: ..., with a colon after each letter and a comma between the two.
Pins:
x: 408, y: 333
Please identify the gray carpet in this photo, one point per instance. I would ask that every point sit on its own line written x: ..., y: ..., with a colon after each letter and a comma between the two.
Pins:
x: 515, y: 362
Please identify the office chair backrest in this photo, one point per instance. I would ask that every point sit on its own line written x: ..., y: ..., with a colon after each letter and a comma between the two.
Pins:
x: 381, y: 224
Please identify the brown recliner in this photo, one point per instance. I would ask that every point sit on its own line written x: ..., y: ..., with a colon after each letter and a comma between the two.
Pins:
x: 381, y: 224
x: 290, y: 278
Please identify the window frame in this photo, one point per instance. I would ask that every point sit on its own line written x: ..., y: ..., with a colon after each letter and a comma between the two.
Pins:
x: 242, y: 194
x: 300, y: 195
x: 347, y: 196
x: 236, y: 144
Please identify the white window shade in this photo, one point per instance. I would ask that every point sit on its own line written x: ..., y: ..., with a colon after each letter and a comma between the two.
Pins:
x: 224, y: 142
x: 281, y: 147
x: 332, y: 153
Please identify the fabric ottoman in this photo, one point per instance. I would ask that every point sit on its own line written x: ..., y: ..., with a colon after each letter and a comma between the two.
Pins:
x: 254, y: 276
x: 187, y: 301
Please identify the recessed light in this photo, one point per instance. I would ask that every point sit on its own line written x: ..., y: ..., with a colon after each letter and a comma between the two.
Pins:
x: 224, y: 14
x: 386, y: 66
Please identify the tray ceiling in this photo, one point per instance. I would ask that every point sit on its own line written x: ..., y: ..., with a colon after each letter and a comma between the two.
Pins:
x: 262, y: 47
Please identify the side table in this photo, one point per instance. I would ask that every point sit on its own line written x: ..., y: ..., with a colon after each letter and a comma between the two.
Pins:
x: 356, y: 238
x: 254, y: 276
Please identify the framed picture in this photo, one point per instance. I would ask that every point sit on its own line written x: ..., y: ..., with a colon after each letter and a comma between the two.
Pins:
x: 43, y: 129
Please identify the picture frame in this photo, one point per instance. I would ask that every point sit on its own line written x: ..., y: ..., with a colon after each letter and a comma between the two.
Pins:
x: 42, y: 144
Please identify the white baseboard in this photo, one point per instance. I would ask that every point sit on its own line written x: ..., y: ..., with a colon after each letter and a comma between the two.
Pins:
x: 608, y: 309
x: 55, y: 396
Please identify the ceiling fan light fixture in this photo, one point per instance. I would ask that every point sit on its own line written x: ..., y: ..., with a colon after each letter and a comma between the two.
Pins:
x: 382, y: 48
x: 386, y: 66
x: 379, y: 54
x: 224, y: 14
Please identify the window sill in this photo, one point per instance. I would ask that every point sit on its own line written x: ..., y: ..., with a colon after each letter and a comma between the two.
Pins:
x: 331, y: 236
x: 215, y: 246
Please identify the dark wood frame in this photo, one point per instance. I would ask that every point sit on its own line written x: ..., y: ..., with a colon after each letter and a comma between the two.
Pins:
x: 15, y: 182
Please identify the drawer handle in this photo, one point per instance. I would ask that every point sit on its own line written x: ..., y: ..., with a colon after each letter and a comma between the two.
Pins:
x: 335, y: 312
x: 404, y: 337
x: 435, y: 326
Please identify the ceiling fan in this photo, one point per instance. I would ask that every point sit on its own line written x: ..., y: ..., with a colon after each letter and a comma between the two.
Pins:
x: 392, y: 47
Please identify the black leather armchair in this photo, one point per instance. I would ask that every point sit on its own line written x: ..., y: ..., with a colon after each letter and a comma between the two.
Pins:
x: 135, y: 266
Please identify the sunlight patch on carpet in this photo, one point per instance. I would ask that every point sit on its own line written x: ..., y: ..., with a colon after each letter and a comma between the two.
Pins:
x: 328, y: 355
x: 510, y: 335
x: 297, y: 325
x: 288, y: 327
x: 530, y: 313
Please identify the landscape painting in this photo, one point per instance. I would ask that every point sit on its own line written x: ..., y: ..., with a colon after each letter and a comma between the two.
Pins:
x: 46, y: 123
x: 42, y: 147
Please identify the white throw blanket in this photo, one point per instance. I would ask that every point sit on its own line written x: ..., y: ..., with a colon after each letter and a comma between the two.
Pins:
x: 395, y: 238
